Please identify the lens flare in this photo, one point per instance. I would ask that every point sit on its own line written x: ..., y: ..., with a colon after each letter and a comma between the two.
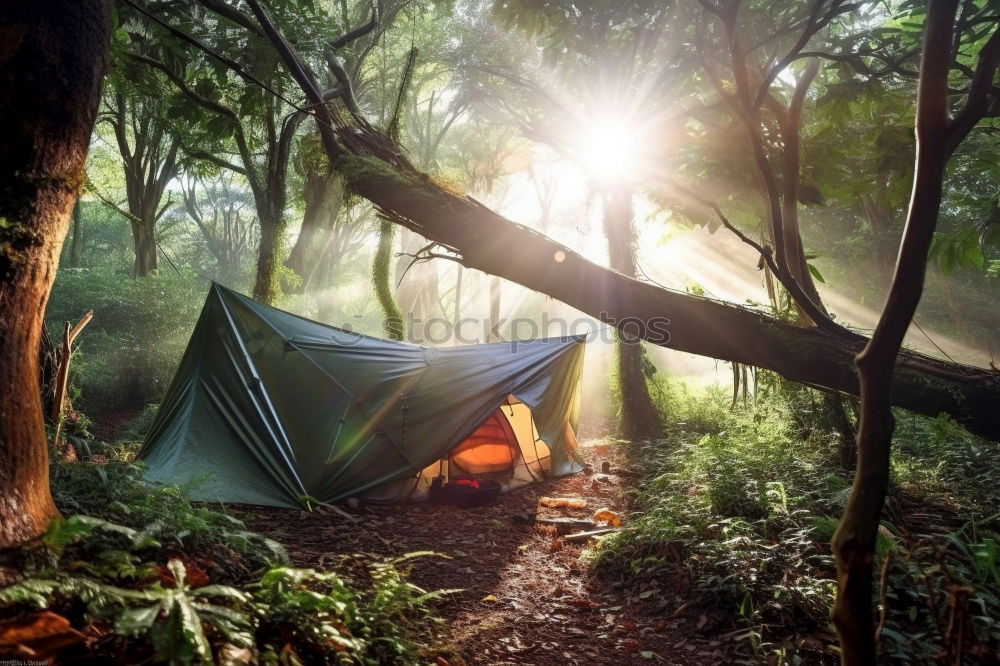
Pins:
x: 608, y: 149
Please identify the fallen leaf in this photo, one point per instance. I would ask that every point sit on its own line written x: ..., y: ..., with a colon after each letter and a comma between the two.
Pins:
x: 489, y: 598
x: 231, y: 655
x: 608, y: 516
x: 39, y: 635
x: 583, y: 603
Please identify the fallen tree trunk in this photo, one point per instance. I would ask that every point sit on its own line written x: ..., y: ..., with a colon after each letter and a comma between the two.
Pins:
x: 693, y: 324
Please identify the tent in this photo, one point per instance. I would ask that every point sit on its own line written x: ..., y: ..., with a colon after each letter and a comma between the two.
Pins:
x: 270, y: 408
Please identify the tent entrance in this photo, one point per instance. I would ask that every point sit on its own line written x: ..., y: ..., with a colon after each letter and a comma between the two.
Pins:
x: 506, y: 448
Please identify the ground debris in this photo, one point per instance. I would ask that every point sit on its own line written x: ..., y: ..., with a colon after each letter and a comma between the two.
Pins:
x: 517, y: 583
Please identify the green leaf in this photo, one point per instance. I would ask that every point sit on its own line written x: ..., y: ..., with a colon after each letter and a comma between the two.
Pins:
x: 223, y: 591
x: 815, y: 273
x: 133, y: 621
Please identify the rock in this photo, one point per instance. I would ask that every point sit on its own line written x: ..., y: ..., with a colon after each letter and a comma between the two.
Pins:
x: 606, y: 467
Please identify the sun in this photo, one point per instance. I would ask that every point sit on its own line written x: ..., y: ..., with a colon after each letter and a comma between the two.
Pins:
x: 608, y: 149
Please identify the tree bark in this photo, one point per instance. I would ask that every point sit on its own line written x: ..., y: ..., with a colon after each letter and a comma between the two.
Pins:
x: 639, y: 417
x: 324, y: 195
x: 144, y: 245
x: 792, y: 236
x: 855, y: 540
x: 272, y: 231
x: 51, y: 66
x: 74, y: 248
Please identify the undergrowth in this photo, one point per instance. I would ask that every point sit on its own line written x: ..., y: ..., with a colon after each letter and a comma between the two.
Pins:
x: 743, y: 503
x: 115, y: 491
x: 106, y: 595
x: 140, y: 574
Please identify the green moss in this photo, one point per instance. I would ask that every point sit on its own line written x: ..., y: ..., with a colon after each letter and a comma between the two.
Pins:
x: 394, y: 326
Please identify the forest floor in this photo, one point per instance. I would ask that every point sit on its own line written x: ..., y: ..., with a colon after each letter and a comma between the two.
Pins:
x: 527, y: 597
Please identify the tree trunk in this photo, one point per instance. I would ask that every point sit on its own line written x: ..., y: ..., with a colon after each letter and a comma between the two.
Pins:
x: 854, y: 542
x: 145, y: 249
x: 836, y: 411
x: 792, y: 235
x: 51, y: 66
x: 265, y: 287
x: 639, y: 417
x: 323, y: 194
x: 393, y: 324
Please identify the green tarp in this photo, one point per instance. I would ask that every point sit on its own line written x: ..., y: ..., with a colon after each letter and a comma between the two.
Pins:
x: 271, y: 408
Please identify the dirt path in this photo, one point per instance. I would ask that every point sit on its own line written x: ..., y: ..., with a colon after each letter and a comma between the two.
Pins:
x: 528, y: 598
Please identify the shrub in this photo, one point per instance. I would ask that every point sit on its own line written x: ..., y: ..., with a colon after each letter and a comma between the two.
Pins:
x: 745, y: 503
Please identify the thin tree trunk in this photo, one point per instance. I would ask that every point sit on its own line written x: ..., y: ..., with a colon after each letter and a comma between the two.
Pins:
x: 323, y: 194
x: 854, y: 542
x: 51, y: 68
x: 393, y: 324
x: 792, y: 235
x: 145, y: 249
x: 836, y: 409
x: 265, y: 288
x: 640, y: 419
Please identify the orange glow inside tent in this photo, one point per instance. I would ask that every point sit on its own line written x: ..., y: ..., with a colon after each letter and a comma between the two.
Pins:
x: 491, y: 448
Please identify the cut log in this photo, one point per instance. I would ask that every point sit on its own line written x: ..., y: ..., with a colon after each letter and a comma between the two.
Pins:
x: 579, y: 537
x: 566, y: 525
